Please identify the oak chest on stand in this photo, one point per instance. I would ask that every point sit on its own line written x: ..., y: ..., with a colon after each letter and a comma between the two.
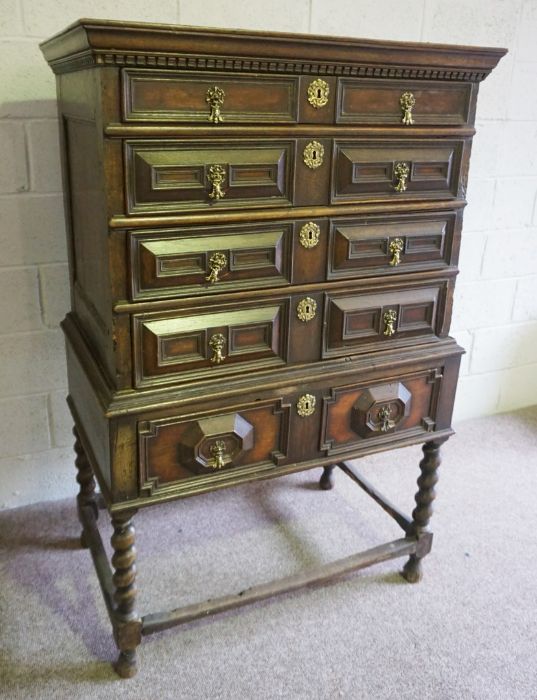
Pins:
x: 263, y: 236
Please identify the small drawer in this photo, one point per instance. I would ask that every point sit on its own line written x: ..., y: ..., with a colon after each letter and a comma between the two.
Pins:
x: 365, y: 322
x: 379, y: 245
x: 167, y: 176
x: 199, y: 452
x: 399, y: 170
x: 397, y: 103
x: 210, y: 260
x: 358, y: 416
x: 183, y: 346
x: 209, y: 98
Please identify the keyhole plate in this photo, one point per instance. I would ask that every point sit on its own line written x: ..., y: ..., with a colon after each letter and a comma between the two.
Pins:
x: 318, y: 91
x: 313, y: 154
x: 305, y: 406
x: 306, y: 309
x: 309, y: 235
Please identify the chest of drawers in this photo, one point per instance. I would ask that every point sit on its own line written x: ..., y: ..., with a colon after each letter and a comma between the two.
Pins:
x: 263, y: 241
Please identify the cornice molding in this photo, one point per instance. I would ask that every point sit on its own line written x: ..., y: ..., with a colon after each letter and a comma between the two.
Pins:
x: 90, y: 43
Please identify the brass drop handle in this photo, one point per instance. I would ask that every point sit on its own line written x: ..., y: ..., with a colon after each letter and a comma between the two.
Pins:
x: 407, y: 102
x: 219, y: 458
x: 217, y: 263
x: 396, y: 248
x: 217, y: 343
x: 384, y: 417
x: 215, y: 99
x: 389, y: 318
x: 216, y: 177
x: 401, y: 172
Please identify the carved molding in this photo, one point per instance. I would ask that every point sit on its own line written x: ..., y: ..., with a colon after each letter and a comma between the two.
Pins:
x: 250, y: 65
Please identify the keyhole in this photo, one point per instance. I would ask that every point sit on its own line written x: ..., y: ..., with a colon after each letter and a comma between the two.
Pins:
x: 308, y: 309
x: 314, y: 155
x: 310, y: 234
x: 307, y: 405
x: 319, y: 93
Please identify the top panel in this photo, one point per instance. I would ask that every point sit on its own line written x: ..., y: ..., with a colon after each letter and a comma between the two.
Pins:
x: 103, y: 42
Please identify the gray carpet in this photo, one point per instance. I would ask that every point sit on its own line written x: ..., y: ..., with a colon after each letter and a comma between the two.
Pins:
x: 469, y: 630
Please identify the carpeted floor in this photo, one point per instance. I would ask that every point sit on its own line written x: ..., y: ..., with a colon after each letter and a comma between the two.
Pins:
x: 469, y: 630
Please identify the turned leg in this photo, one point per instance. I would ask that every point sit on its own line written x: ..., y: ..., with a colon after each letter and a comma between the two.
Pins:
x: 127, y: 623
x: 421, y: 515
x: 86, y: 495
x: 326, y: 481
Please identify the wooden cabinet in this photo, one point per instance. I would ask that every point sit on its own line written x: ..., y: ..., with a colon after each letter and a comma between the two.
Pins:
x: 263, y: 235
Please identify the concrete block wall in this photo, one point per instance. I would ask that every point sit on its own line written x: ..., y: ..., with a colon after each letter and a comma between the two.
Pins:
x: 496, y: 302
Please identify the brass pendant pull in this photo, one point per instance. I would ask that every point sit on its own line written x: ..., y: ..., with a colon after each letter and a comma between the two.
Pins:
x: 396, y: 248
x: 216, y: 177
x: 390, y: 317
x: 306, y: 309
x: 309, y: 235
x: 305, y: 406
x: 318, y: 91
x: 384, y: 418
x: 215, y: 99
x: 217, y: 343
x: 219, y: 458
x: 217, y: 263
x: 407, y: 102
x: 313, y: 154
x: 401, y: 172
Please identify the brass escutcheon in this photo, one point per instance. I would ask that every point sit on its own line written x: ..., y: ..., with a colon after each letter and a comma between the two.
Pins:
x: 313, y: 154
x: 306, y: 309
x: 216, y: 177
x: 215, y: 99
x: 217, y: 343
x: 217, y: 262
x: 407, y: 101
x: 309, y: 235
x: 396, y: 248
x: 305, y: 406
x: 384, y: 417
x: 390, y: 317
x: 401, y: 172
x: 318, y: 91
x: 218, y: 457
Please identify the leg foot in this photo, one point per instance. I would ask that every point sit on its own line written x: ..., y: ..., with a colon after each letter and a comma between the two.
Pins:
x: 126, y: 621
x: 413, y: 570
x: 125, y: 665
x: 423, y: 511
x: 326, y: 481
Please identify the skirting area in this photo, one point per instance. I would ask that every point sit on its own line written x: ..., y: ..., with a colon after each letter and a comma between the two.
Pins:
x: 469, y: 630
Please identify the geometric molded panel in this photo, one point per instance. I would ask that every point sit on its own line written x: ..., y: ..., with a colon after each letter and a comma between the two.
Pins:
x: 214, y: 443
x: 380, y: 409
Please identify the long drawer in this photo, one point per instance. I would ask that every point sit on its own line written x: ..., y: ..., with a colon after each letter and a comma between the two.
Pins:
x: 268, y: 434
x: 150, y: 95
x: 226, y: 339
x: 165, y: 176
x: 201, y: 260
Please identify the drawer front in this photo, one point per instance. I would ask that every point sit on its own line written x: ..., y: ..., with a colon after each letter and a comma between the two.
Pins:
x: 165, y: 176
x: 400, y: 170
x: 222, y: 442
x: 172, y: 96
x: 380, y: 413
x: 198, y: 452
x: 364, y: 246
x: 365, y: 322
x: 193, y: 343
x: 210, y: 260
x: 400, y: 102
